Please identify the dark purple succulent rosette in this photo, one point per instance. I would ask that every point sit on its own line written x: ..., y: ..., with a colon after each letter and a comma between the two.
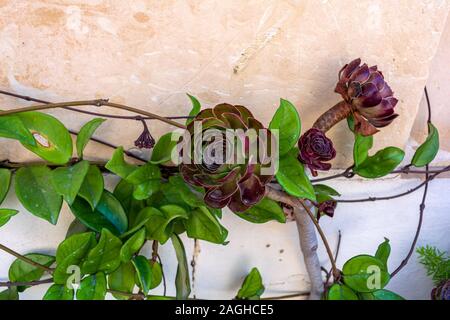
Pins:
x: 238, y: 186
x: 327, y: 207
x: 442, y: 291
x: 315, y: 149
x: 371, y: 98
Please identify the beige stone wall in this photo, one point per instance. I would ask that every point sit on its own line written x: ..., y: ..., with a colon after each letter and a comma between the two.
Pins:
x: 439, y: 91
x: 149, y: 53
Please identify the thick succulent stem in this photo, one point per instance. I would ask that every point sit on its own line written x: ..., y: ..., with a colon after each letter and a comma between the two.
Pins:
x: 309, y: 245
x: 334, y: 115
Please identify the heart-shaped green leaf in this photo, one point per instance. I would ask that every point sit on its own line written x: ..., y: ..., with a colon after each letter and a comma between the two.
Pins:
x: 5, y: 215
x: 59, y: 292
x: 196, y: 107
x: 380, y: 164
x: 85, y: 134
x: 5, y: 182
x: 122, y: 280
x: 287, y: 121
x: 252, y: 288
x: 9, y: 294
x: 365, y: 273
x: 428, y: 150
x: 182, y: 282
x: 12, y: 127
x: 264, y: 211
x: 132, y: 245
x: 383, y: 252
x: 156, y: 274
x: 92, y: 187
x: 203, y: 225
x: 52, y: 140
x: 35, y: 190
x: 162, y: 152
x: 21, y: 271
x: 118, y: 165
x: 72, y: 252
x: 292, y: 177
x: 143, y: 273
x: 159, y: 225
x: 92, y: 287
x: 67, y: 181
x: 104, y: 256
x: 108, y: 214
x: 341, y: 292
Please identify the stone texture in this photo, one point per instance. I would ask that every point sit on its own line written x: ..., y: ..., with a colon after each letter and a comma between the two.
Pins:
x: 149, y: 53
x: 438, y: 88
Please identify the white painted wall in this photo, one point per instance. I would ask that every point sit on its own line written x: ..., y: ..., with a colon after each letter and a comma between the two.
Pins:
x: 273, y: 247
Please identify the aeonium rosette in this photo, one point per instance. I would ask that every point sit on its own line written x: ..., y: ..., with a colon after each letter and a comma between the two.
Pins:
x: 228, y: 156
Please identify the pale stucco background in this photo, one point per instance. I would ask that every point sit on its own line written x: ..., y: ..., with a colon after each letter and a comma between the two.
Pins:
x: 149, y: 53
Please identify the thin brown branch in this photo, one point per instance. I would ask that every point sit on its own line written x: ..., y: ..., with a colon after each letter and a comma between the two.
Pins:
x: 422, y: 204
x: 370, y: 199
x: 97, y: 103
x: 97, y: 114
x: 25, y: 259
x: 25, y: 284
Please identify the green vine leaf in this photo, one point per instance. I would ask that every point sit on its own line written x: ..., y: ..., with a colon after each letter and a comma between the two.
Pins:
x: 6, y: 215
x: 143, y: 273
x: 292, y: 177
x: 9, y: 294
x: 361, y: 148
x: 92, y: 187
x: 67, y: 181
x: 287, y: 121
x: 365, y: 273
x: 341, y: 292
x: 122, y: 279
x: 162, y: 152
x: 104, y: 256
x: 21, y: 271
x: 85, y: 134
x: 381, y: 295
x: 76, y: 227
x: 59, y: 292
x: 428, y: 150
x: 108, y: 214
x: 264, y: 211
x: 159, y: 226
x: 70, y: 252
x: 132, y: 245
x: 383, y: 252
x: 146, y: 180
x: 92, y: 287
x: 203, y: 225
x: 124, y: 193
x: 252, y: 288
x: 52, y: 140
x: 5, y: 182
x: 380, y: 164
x: 192, y: 197
x: 182, y: 282
x: 12, y: 127
x: 35, y: 190
x: 156, y: 274
x: 196, y: 107
x: 118, y: 165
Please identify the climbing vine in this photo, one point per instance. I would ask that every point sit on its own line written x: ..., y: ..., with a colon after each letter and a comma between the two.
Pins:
x: 171, y: 194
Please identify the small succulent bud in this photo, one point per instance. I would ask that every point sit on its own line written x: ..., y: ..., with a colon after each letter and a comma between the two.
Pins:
x: 327, y: 207
x: 315, y: 148
x: 145, y: 140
